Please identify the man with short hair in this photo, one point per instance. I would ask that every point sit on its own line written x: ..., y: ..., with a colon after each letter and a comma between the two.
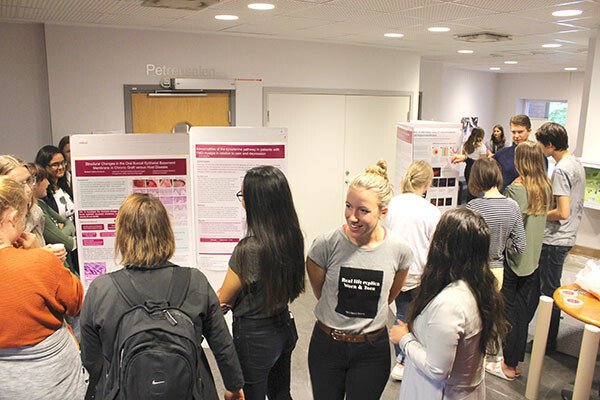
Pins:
x: 562, y: 222
x: 520, y: 128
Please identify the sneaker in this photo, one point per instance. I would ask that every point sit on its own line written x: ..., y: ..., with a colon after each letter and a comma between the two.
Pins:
x: 398, y: 372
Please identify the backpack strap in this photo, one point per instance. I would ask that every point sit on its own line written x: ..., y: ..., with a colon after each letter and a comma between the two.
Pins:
x: 126, y: 288
x: 178, y: 288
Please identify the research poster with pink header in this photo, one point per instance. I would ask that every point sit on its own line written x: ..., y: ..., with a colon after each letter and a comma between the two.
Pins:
x: 220, y: 158
x: 108, y: 168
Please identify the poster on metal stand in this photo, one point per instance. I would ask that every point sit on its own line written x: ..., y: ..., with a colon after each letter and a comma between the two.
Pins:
x: 108, y: 168
x: 436, y: 143
x: 220, y: 157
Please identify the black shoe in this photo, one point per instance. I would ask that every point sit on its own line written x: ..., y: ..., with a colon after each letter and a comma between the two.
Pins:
x: 550, y: 348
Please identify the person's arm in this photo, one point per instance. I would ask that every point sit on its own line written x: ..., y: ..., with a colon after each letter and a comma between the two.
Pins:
x: 397, y: 284
x: 69, y: 292
x: 91, y: 345
x: 562, y: 210
x: 445, y: 327
x: 230, y: 288
x: 517, y: 233
x: 316, y: 276
x: 219, y: 339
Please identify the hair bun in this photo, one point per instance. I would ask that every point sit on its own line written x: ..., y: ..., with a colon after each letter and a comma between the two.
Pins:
x: 378, y: 169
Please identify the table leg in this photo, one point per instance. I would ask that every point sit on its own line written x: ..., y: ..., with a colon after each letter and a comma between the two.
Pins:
x: 540, y: 338
x: 586, y: 363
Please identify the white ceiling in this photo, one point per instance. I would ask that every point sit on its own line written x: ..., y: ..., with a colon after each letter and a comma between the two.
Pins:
x: 361, y: 22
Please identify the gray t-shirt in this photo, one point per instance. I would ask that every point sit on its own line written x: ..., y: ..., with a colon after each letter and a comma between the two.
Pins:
x: 568, y: 179
x: 357, y: 283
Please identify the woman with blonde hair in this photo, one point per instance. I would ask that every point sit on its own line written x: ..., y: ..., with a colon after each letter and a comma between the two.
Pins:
x: 413, y: 219
x: 39, y: 357
x: 532, y: 192
x: 355, y: 271
x: 145, y: 242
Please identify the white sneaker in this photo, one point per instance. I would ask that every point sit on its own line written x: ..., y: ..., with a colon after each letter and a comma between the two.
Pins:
x: 398, y: 372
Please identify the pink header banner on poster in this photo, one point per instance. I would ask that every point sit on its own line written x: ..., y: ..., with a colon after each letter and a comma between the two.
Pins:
x: 270, y: 151
x: 95, y: 214
x: 92, y: 227
x: 404, y: 135
x: 219, y: 240
x: 149, y: 167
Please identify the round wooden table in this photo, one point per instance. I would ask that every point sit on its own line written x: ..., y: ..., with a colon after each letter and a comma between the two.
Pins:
x: 589, y: 313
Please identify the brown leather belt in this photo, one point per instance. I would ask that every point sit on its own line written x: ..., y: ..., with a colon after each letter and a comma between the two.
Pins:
x: 342, y: 336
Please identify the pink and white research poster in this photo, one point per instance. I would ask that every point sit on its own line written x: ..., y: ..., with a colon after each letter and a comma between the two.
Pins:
x: 219, y: 168
x: 102, y: 182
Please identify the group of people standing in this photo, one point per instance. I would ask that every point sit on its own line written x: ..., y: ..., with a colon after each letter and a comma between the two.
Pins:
x: 465, y: 283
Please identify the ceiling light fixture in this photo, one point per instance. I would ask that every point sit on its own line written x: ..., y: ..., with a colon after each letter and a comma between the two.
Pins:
x: 511, y: 62
x: 261, y: 6
x: 438, y: 29
x: 494, y: 68
x: 226, y: 17
x: 465, y: 51
x: 393, y: 35
x: 551, y: 45
x: 567, y: 13
x: 571, y: 69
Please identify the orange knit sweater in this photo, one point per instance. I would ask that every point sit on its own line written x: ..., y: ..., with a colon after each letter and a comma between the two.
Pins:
x: 36, y: 291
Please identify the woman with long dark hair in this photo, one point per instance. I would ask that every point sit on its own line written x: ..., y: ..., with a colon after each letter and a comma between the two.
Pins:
x: 456, y: 317
x: 497, y: 140
x: 60, y: 195
x: 266, y: 273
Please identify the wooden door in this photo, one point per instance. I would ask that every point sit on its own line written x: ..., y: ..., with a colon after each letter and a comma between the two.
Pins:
x: 160, y: 114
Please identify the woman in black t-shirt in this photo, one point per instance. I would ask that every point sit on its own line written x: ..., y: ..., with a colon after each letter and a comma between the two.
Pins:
x: 266, y: 272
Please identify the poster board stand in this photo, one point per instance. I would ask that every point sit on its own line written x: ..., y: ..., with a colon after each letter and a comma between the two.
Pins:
x: 436, y: 143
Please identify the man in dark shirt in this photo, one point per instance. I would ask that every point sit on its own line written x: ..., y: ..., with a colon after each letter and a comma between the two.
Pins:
x: 520, y: 128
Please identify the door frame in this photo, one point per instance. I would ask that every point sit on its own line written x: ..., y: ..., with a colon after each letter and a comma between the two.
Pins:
x: 322, y: 91
x: 128, y: 90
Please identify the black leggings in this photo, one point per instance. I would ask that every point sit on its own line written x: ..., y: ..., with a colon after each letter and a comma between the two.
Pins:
x: 359, y: 371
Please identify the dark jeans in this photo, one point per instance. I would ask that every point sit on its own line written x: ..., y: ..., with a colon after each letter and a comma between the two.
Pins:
x: 521, y: 295
x: 359, y: 371
x: 264, y: 347
x: 550, y: 267
x: 402, y: 302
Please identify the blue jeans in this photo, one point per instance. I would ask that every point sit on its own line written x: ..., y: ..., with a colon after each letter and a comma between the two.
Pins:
x: 402, y: 302
x: 358, y: 371
x: 264, y: 348
x: 550, y: 267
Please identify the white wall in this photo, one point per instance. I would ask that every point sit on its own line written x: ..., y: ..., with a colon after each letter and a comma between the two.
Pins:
x: 543, y: 86
x: 24, y: 104
x: 451, y: 93
x: 87, y: 68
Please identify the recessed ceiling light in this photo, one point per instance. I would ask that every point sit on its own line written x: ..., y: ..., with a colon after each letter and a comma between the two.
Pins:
x: 511, y: 62
x: 552, y: 45
x: 226, y: 17
x: 393, y: 35
x: 465, y: 51
x: 571, y: 69
x: 261, y: 6
x: 494, y: 68
x: 567, y: 13
x: 438, y: 29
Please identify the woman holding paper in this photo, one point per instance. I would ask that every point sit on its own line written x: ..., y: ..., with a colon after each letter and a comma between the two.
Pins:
x: 266, y: 273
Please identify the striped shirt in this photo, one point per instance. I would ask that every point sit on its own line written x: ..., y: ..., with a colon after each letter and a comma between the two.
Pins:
x: 504, y: 219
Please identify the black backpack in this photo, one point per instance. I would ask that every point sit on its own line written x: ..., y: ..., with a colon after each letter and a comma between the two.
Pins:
x: 155, y: 355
